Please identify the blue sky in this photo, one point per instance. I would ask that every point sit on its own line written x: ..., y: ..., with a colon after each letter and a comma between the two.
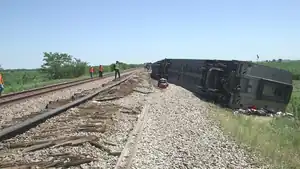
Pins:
x: 134, y: 31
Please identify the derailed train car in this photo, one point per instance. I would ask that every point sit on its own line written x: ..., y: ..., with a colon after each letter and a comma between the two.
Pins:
x: 236, y: 84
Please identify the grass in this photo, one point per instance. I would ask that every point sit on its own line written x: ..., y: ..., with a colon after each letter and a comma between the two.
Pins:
x: 291, y: 66
x: 16, y: 81
x: 20, y: 87
x: 275, y: 140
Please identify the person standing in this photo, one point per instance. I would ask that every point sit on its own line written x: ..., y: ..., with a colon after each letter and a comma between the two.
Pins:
x: 100, y: 71
x: 91, y: 71
x: 1, y: 84
x: 117, y: 70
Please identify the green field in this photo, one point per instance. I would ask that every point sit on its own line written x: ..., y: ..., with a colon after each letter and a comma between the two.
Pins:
x: 57, y: 68
x: 16, y: 81
x: 275, y: 140
x: 291, y: 66
x: 19, y: 80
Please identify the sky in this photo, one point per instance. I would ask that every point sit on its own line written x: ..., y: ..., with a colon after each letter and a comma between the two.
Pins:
x: 138, y: 31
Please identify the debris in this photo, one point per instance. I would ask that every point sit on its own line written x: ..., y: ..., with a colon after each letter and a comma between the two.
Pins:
x: 109, y: 143
x: 261, y: 112
x: 143, y: 92
x: 115, y: 153
x: 39, y: 146
x: 92, y: 129
x: 109, y: 98
x: 60, y: 154
x: 162, y: 83
x: 100, y: 146
x: 129, y: 111
x: 54, y: 164
x: 19, y: 167
x: 76, y: 142
x: 27, y: 144
x: 29, y: 165
x: 77, y: 162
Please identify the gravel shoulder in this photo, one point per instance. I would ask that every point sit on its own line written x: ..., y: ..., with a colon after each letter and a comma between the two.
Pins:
x: 179, y: 133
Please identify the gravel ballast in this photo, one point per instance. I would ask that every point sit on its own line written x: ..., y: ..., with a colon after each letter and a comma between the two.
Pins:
x: 119, y: 117
x: 35, y: 104
x: 180, y: 134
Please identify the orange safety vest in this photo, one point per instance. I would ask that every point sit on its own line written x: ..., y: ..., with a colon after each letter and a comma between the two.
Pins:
x: 101, y: 68
x: 91, y: 70
x: 1, y: 79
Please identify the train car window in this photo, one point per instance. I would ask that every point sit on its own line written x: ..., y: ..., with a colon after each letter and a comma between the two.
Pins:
x: 268, y: 90
x: 275, y: 91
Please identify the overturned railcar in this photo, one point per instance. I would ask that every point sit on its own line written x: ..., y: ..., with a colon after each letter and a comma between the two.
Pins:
x: 236, y: 84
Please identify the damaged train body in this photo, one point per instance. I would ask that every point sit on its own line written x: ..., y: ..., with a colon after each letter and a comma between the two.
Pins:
x: 236, y: 84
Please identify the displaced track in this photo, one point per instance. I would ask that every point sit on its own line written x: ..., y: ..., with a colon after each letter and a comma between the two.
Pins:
x: 92, y: 134
x: 14, y: 97
x: 19, y: 111
x: 10, y: 131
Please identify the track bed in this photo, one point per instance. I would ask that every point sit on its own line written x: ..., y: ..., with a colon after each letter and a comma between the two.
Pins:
x: 90, y: 135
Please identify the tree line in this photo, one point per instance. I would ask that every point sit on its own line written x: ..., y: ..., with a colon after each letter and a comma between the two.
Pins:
x: 62, y: 65
x: 55, y: 66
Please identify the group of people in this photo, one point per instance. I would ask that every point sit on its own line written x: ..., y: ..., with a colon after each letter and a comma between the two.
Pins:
x: 101, y: 69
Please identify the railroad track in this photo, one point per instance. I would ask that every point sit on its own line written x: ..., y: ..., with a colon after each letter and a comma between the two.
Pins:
x: 93, y: 134
x: 14, y: 97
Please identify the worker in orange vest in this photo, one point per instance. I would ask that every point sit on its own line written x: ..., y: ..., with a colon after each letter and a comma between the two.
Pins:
x: 91, y: 71
x: 100, y: 71
x: 1, y: 84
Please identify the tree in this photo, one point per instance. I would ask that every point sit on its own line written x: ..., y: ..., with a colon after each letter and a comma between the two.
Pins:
x: 79, y: 67
x: 62, y: 65
x: 112, y: 67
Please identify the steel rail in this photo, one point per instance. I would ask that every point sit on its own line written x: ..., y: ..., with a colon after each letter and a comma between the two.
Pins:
x: 13, y: 97
x: 18, y: 128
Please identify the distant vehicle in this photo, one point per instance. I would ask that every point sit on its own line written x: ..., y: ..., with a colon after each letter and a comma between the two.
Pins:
x: 236, y: 84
